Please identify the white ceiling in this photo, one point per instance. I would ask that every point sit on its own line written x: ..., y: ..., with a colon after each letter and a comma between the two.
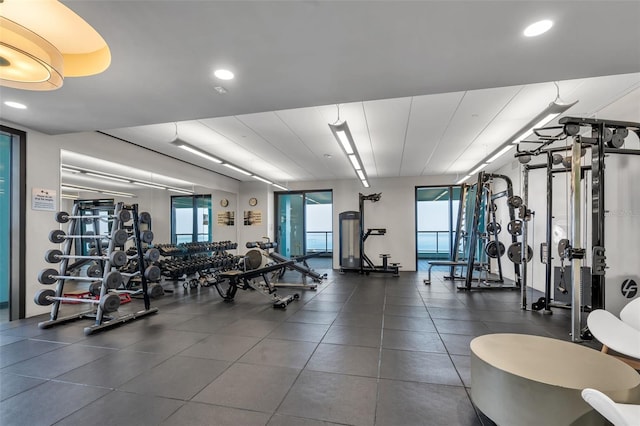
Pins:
x: 427, y: 87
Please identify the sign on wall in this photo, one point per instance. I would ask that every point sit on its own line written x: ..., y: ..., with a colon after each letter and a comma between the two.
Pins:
x: 43, y: 199
x: 252, y: 217
x: 226, y: 218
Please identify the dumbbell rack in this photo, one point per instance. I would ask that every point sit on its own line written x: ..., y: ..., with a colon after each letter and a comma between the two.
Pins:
x: 107, y: 302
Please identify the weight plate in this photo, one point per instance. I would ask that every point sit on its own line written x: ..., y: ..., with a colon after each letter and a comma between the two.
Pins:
x: 571, y: 129
x: 515, y: 227
x: 110, y: 302
x: 42, y: 297
x: 607, y: 135
x: 524, y: 159
x: 563, y: 245
x: 113, y: 280
x: 144, y: 217
x: 494, y: 249
x: 124, y: 216
x: 514, y: 201
x: 62, y: 217
x: 566, y: 161
x: 46, y: 276
x: 152, y: 255
x: 494, y: 228
x: 120, y: 237
x: 94, y: 288
x: 53, y: 256
x: 146, y: 237
x: 118, y: 258
x: 556, y: 159
x: 616, y: 141
x: 514, y: 253
x: 155, y: 291
x: 94, y: 271
x: 152, y: 273
x: 57, y: 236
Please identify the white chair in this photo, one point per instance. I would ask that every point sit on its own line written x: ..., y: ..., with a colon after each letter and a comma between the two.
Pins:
x: 616, y: 334
x: 616, y: 413
x: 630, y: 314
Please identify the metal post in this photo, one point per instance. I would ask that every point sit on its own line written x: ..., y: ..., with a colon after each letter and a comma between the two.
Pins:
x: 576, y: 241
x: 525, y: 232
x: 597, y: 212
x: 549, y: 265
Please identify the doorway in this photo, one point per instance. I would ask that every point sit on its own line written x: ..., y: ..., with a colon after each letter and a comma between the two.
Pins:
x: 436, y: 214
x: 191, y: 219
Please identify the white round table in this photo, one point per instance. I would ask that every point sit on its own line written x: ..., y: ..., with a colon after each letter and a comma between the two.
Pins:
x: 518, y: 379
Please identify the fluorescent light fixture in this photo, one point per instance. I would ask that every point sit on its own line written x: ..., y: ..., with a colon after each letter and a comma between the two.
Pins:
x: 280, y: 187
x: 463, y: 179
x: 196, y: 151
x: 149, y: 185
x: 538, y: 28
x: 440, y: 196
x: 237, y: 169
x: 69, y: 197
x: 261, y: 179
x: 354, y: 162
x: 499, y: 154
x: 223, y: 74
x: 180, y: 191
x: 477, y: 169
x: 552, y: 111
x: 69, y: 188
x: 343, y: 135
x: 108, y: 177
x: 16, y: 105
x: 70, y: 170
x: 77, y: 188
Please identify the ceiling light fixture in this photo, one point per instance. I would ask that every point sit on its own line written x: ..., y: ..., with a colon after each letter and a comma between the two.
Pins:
x: 180, y: 191
x: 70, y: 170
x: 12, y: 104
x: 280, y: 187
x: 186, y: 147
x: 223, y: 74
x: 69, y: 187
x: 341, y: 132
x: 463, y: 179
x: 538, y: 28
x: 149, y: 185
x: 35, y: 55
x: 553, y: 110
x: 262, y: 179
x: 237, y: 169
x: 108, y: 177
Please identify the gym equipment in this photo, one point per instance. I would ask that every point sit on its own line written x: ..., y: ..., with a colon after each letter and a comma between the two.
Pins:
x: 494, y: 249
x: 494, y: 228
x: 514, y: 253
x: 103, y: 288
x: 64, y: 217
x: 120, y: 237
x: 244, y: 280
x: 117, y: 257
x: 515, y: 227
x: 352, y: 240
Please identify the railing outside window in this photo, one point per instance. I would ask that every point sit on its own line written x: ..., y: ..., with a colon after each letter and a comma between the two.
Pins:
x: 318, y: 241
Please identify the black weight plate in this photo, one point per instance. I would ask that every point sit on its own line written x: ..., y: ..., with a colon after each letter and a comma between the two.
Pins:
x: 124, y: 216
x: 94, y: 288
x: 113, y: 280
x: 514, y: 253
x: 41, y: 297
x: 46, y: 276
x: 494, y: 228
x: 152, y: 273
x: 57, y: 236
x: 53, y: 256
x: 120, y: 237
x: 146, y: 237
x: 110, y: 302
x: 155, y: 291
x: 514, y: 201
x: 515, y: 227
x: 556, y: 159
x: 118, y: 258
x: 94, y: 271
x: 62, y: 217
x: 152, y: 255
x: 144, y: 217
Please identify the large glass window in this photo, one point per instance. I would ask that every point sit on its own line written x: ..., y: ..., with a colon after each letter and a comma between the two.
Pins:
x: 191, y: 219
x: 304, y: 222
x: 436, y: 218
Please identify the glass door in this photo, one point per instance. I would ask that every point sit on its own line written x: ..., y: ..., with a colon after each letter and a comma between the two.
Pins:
x: 5, y: 224
x: 291, y: 237
x: 319, y: 222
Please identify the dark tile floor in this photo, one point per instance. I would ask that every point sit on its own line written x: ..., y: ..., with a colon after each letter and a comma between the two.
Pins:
x: 361, y: 350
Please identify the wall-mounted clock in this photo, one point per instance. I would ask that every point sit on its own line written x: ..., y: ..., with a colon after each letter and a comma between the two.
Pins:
x: 253, y: 202
x: 224, y: 202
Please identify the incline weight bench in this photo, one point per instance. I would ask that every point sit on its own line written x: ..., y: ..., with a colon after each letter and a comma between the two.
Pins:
x: 302, y: 268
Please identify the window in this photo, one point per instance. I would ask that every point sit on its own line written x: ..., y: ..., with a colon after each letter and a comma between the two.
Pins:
x: 190, y: 219
x: 436, y: 218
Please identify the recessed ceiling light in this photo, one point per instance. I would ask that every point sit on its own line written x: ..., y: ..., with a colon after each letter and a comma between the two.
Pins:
x: 538, y: 28
x: 17, y: 105
x: 223, y: 74
x: 221, y: 90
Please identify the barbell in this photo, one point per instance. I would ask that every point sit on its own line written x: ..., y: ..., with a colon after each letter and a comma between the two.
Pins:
x: 50, y: 276
x: 108, y: 302
x: 58, y: 236
x: 123, y: 215
x: 117, y: 257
